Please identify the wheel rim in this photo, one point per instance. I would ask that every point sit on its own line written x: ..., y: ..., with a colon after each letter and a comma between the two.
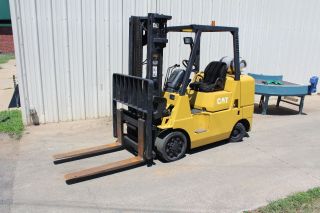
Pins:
x: 174, y: 147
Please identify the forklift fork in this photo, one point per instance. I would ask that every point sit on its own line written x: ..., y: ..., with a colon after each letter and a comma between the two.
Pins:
x: 97, y: 150
x: 87, y: 152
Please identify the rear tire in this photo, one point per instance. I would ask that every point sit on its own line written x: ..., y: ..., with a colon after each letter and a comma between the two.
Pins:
x: 239, y: 131
x: 172, y: 147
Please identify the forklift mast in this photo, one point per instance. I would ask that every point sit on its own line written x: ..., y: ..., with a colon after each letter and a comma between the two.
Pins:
x: 150, y: 31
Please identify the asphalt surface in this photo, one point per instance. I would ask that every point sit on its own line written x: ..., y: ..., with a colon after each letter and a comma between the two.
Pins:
x: 281, y: 156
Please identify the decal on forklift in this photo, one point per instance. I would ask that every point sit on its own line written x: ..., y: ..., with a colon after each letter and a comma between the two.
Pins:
x: 154, y: 71
x: 222, y: 100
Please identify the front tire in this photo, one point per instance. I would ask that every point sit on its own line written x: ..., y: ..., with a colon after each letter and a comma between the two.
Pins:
x: 172, y: 147
x: 239, y: 131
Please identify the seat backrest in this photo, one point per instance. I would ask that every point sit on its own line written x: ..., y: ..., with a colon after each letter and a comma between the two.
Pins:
x: 213, y: 71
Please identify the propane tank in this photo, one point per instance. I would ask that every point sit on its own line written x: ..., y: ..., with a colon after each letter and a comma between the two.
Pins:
x: 230, y: 63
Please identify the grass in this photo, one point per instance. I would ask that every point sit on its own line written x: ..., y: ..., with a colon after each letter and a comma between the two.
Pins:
x: 11, y: 123
x: 308, y: 201
x: 4, y: 58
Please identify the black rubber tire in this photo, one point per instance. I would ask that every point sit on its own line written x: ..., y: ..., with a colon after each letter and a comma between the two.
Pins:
x: 172, y: 147
x: 238, y: 133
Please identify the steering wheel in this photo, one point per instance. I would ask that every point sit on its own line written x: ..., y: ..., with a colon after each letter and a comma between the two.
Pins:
x: 185, y: 63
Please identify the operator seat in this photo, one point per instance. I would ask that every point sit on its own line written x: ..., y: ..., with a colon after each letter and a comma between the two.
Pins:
x: 214, y: 78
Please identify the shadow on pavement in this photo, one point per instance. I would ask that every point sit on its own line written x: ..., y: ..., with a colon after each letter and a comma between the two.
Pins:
x: 274, y: 110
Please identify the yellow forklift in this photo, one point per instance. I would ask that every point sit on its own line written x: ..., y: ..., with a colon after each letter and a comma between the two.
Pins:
x: 191, y: 108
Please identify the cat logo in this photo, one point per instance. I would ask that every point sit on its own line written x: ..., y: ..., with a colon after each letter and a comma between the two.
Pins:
x: 222, y: 100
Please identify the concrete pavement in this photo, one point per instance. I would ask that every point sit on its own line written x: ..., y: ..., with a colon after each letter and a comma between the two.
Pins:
x: 281, y: 156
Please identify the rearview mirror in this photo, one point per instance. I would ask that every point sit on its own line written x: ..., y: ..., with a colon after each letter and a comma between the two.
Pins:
x: 188, y: 40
